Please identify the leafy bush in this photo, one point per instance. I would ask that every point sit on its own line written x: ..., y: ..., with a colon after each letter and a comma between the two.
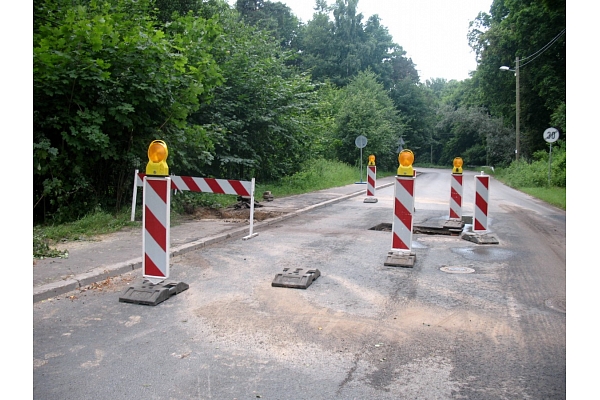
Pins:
x: 316, y: 175
x: 108, y: 79
x: 41, y: 247
x: 535, y: 173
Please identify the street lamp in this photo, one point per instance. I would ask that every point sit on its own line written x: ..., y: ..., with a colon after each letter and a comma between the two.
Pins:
x: 518, y: 106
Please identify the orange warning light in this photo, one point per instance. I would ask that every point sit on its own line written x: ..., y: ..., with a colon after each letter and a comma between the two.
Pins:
x: 371, y: 160
x: 406, y: 159
x: 458, y: 163
x: 157, y: 156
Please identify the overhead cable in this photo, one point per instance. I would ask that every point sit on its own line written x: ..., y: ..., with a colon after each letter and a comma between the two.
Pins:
x: 543, y: 49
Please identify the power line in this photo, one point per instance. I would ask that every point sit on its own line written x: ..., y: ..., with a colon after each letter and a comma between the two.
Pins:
x: 543, y: 49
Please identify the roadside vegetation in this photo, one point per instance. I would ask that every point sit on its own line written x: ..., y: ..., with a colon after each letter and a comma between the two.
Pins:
x: 97, y: 222
x: 247, y: 90
x: 542, y: 177
x: 314, y: 176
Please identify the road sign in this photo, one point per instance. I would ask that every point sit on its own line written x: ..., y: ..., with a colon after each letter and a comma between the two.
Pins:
x: 360, y: 141
x: 400, y: 145
x: 551, y: 135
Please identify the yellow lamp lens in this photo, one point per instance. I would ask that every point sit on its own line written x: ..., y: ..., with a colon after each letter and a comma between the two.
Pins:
x: 457, y: 162
x: 406, y: 158
x: 157, y: 159
x: 157, y: 151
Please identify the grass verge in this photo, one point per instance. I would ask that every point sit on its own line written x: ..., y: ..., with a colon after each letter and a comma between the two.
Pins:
x: 96, y: 223
x: 319, y: 175
x: 552, y: 195
x: 315, y: 176
x: 524, y: 180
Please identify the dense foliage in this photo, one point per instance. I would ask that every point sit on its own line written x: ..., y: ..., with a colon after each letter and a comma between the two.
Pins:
x: 534, y: 31
x: 107, y: 81
x: 248, y: 90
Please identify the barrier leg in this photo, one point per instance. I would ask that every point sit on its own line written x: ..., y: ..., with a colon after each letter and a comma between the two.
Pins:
x: 251, y: 235
x: 134, y: 197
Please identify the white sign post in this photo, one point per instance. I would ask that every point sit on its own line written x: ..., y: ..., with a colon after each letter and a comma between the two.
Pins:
x: 550, y: 136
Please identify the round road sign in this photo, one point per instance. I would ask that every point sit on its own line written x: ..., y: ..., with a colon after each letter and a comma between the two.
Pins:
x: 551, y: 135
x: 360, y: 141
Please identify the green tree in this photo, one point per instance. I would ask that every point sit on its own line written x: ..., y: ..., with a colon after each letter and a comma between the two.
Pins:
x: 262, y: 110
x: 335, y: 45
x: 273, y: 17
x: 318, y: 48
x: 534, y: 31
x: 384, y: 57
x: 416, y: 105
x: 366, y: 109
x: 206, y: 9
x: 472, y: 134
x: 106, y: 83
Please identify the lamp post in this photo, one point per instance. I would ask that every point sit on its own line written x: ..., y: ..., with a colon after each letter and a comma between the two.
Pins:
x: 518, y: 105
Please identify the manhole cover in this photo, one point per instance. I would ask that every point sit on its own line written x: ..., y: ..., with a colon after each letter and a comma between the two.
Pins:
x: 457, y: 270
x: 558, y: 304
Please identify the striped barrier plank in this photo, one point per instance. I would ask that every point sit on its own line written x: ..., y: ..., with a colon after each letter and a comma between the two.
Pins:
x: 203, y: 185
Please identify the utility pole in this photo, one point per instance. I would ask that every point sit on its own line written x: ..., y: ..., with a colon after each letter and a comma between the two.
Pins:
x: 518, y: 111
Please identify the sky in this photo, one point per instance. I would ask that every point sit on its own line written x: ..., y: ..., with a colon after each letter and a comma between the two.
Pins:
x: 433, y: 33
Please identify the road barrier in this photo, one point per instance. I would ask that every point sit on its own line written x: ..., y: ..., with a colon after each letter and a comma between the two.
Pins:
x: 402, y: 223
x: 371, y: 180
x: 205, y: 185
x: 401, y: 254
x: 456, y: 194
x: 156, y: 228
x: 480, y: 220
x: 371, y: 183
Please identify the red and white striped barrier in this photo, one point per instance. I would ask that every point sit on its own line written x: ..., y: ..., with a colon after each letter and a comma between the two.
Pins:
x: 371, y: 179
x: 482, y: 185
x: 156, y: 227
x: 205, y: 185
x: 456, y: 194
x: 402, y: 224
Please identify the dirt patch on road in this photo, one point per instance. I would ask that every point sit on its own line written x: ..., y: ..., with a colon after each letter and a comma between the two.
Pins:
x: 231, y: 213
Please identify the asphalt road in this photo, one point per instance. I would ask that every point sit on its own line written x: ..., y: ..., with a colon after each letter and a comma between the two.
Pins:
x: 467, y: 321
